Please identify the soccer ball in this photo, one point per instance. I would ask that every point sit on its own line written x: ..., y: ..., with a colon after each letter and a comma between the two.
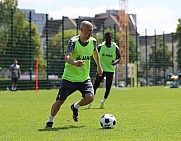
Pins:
x: 108, y: 121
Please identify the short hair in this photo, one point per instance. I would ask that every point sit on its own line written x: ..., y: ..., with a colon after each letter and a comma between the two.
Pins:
x: 83, y: 23
x: 108, y: 34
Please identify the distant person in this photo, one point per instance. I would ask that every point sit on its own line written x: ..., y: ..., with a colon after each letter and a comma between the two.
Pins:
x: 15, y: 74
x: 76, y: 72
x: 109, y: 56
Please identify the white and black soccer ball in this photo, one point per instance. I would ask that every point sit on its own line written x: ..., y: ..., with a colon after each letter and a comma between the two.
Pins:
x: 108, y: 121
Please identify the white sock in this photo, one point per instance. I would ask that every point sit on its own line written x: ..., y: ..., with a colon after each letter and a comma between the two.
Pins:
x: 103, y: 100
x: 77, y: 105
x: 50, y: 119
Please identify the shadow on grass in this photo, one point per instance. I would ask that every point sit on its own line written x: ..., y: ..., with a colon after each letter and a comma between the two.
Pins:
x: 106, y: 128
x: 60, y: 128
x: 93, y: 108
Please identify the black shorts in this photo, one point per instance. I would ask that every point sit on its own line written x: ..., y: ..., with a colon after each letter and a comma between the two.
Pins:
x: 14, y: 79
x: 67, y: 88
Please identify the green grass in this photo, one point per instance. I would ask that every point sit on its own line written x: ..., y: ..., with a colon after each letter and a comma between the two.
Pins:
x: 143, y: 114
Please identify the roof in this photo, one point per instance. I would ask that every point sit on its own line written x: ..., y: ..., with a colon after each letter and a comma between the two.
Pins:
x: 100, y: 21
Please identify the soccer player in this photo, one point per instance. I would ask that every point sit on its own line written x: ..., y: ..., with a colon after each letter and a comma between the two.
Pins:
x: 15, y: 74
x: 76, y: 71
x: 109, y: 56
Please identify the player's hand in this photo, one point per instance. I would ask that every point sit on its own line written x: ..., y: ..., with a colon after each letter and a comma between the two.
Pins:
x: 114, y: 62
x: 79, y: 63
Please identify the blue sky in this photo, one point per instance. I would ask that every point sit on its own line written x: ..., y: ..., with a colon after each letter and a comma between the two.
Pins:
x: 159, y: 15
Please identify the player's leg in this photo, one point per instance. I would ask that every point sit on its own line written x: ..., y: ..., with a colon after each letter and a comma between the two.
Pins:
x: 12, y: 84
x: 109, y: 79
x: 15, y: 83
x: 54, y: 110
x: 86, y: 88
x: 88, y: 98
x: 87, y: 91
x: 66, y: 88
x: 12, y: 87
x: 97, y: 82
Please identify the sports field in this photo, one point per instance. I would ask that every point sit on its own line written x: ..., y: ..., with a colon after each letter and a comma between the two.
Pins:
x: 143, y: 114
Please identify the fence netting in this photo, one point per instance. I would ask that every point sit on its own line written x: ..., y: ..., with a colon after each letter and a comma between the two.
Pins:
x: 151, y: 58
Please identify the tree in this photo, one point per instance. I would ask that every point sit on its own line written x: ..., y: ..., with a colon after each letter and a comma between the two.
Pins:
x: 15, y: 37
x: 132, y: 49
x: 57, y: 51
x: 160, y: 59
x: 6, y: 8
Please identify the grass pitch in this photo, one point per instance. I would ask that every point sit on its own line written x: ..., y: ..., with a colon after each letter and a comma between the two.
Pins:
x: 143, y: 114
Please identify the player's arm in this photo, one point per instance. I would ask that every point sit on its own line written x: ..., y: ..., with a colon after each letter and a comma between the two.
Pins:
x: 118, y: 56
x: 69, y: 60
x: 68, y: 55
x: 11, y: 69
x: 19, y: 72
x: 97, y: 60
x: 99, y: 47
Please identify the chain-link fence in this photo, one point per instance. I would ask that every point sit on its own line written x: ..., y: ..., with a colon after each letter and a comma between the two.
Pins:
x: 155, y: 56
x: 158, y: 58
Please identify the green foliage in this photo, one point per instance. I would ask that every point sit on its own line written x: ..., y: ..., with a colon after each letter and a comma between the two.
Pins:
x: 57, y: 50
x: 67, y: 35
x: 161, y: 58
x: 58, y: 46
x: 145, y: 113
x: 15, y: 38
x: 6, y: 8
x: 132, y: 49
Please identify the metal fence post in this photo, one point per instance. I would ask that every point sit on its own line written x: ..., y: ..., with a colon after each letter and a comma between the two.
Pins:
x: 146, y: 52
x: 47, y: 46
x: 136, y: 59
x: 12, y: 34
x: 164, y: 58
x: 63, y: 34
x: 30, y: 46
x: 172, y: 53
x: 77, y: 27
x: 154, y: 61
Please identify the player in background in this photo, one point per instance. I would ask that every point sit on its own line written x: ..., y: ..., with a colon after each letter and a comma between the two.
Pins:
x: 109, y: 56
x: 15, y: 74
x: 76, y: 72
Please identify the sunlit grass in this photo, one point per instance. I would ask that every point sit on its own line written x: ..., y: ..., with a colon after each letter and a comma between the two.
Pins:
x: 149, y: 114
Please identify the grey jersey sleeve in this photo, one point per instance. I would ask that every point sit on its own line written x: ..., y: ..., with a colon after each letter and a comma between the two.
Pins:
x: 71, y: 46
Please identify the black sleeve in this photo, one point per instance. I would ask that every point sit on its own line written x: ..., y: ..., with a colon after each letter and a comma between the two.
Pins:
x: 99, y: 48
x: 118, y: 54
x: 95, y: 44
